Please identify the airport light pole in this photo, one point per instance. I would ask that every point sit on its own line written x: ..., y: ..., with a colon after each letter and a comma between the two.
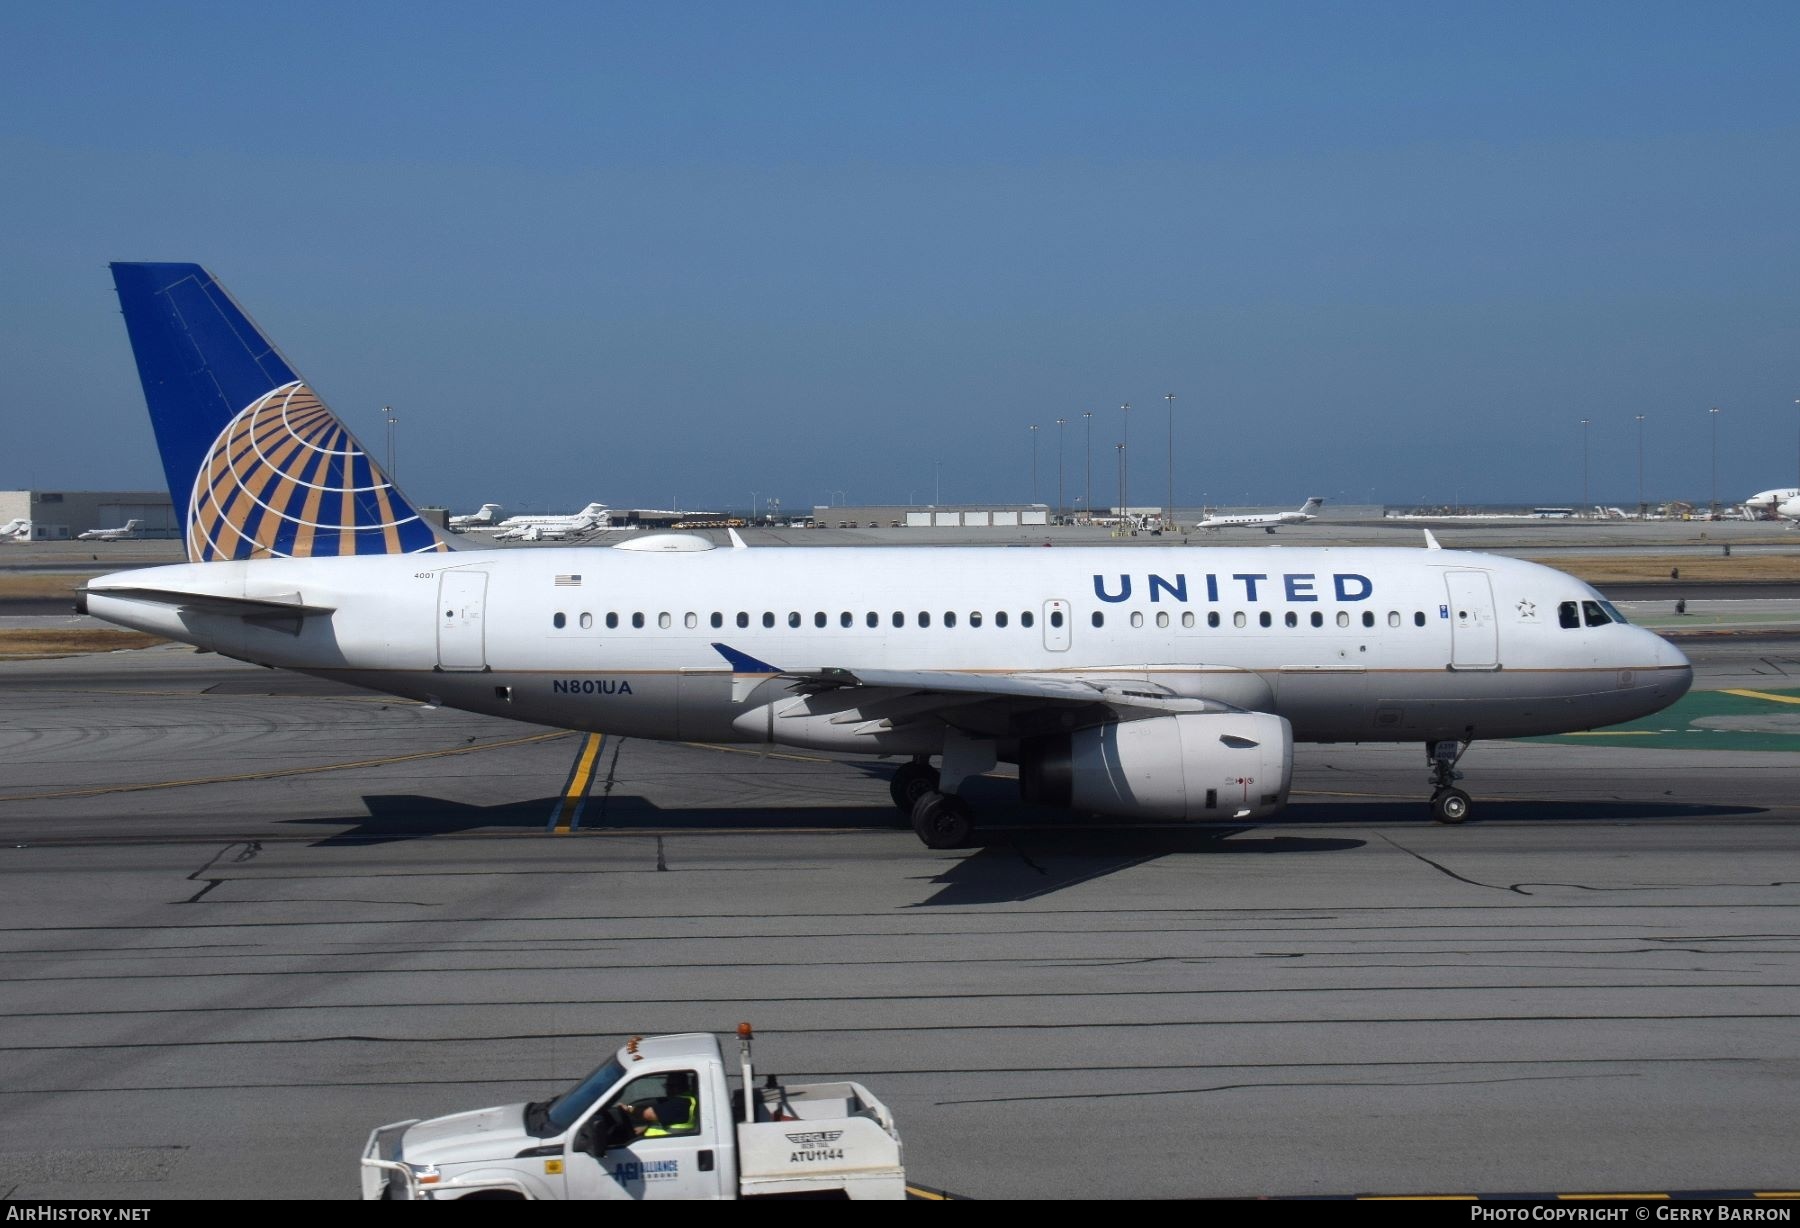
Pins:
x: 1089, y: 415
x: 1713, y: 414
x: 1642, y: 507
x: 1124, y: 456
x: 1170, y: 398
x: 1034, y: 430
x: 387, y: 413
x: 937, y: 487
x: 1584, y: 465
x: 1061, y: 422
x: 1120, y: 475
x: 753, y: 506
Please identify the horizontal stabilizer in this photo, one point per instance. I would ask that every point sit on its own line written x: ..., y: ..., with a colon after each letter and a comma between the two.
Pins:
x: 284, y: 606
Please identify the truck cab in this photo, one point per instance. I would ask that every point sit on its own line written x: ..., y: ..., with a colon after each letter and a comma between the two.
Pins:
x: 657, y: 1120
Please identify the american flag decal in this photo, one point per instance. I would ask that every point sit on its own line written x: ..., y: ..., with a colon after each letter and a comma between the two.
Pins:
x: 568, y: 582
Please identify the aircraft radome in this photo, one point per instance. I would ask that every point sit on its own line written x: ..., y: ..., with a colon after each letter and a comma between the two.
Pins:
x: 1153, y: 683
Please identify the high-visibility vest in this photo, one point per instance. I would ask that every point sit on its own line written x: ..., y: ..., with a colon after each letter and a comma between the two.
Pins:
x: 664, y: 1129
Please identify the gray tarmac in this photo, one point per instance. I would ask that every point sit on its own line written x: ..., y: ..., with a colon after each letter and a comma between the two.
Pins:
x: 248, y: 916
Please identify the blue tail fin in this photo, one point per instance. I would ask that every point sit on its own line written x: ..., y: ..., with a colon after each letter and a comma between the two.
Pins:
x: 257, y: 466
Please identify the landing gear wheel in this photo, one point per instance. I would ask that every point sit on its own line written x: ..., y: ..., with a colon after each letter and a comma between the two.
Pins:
x: 911, y: 782
x: 943, y: 820
x: 1450, y: 805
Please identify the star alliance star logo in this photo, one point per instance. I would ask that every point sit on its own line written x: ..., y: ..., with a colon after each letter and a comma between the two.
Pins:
x: 1527, y: 609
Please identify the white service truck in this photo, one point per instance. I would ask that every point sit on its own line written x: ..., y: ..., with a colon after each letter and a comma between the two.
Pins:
x: 657, y: 1120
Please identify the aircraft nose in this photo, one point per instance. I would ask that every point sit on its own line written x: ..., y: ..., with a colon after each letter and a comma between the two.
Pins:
x: 1673, y: 668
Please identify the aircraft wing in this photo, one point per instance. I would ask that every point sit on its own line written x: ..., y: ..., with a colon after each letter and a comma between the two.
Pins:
x: 1125, y: 697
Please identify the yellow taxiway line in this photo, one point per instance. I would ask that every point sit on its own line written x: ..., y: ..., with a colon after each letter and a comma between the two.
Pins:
x: 1780, y: 699
x: 581, y: 779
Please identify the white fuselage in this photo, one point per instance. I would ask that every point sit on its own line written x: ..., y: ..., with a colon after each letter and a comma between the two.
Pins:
x: 1347, y: 644
x: 1782, y: 502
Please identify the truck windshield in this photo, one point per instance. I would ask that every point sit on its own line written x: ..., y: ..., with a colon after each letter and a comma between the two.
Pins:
x: 567, y: 1108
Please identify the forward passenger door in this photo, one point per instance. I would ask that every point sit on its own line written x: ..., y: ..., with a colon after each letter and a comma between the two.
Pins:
x: 1474, y: 631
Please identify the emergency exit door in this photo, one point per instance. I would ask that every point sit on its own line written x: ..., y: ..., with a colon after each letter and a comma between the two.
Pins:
x: 462, y: 601
x: 1056, y: 625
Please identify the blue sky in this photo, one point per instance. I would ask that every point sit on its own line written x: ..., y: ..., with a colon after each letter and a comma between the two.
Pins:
x: 646, y: 253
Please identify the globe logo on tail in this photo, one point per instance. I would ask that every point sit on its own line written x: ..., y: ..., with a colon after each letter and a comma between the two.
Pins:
x: 286, y: 479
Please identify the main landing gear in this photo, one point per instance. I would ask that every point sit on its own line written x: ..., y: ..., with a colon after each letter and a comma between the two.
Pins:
x: 912, y: 782
x: 929, y: 797
x: 1449, y: 804
x: 942, y: 820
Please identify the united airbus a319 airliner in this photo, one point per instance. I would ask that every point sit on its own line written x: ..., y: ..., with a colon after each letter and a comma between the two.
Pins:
x: 1150, y: 683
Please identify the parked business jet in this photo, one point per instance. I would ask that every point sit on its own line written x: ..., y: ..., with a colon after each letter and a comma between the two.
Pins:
x: 552, y: 528
x: 1767, y: 503
x: 16, y: 529
x: 1140, y: 684
x: 1267, y: 521
x: 487, y: 514
x: 126, y: 532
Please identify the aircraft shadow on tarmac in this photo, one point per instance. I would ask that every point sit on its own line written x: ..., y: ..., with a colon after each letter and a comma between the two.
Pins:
x: 1006, y: 821
x: 1030, y: 853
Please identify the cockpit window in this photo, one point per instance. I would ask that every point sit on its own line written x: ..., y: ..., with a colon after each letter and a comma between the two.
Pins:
x: 1568, y: 615
x: 1596, y: 617
x: 1613, y: 612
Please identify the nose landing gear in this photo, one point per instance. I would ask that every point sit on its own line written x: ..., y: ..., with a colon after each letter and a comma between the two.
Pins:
x: 1449, y: 804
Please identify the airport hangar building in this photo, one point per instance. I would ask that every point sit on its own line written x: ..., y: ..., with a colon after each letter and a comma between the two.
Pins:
x: 58, y: 515
x: 961, y: 515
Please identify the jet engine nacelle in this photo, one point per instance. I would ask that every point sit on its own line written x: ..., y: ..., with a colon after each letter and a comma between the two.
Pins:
x: 1233, y: 765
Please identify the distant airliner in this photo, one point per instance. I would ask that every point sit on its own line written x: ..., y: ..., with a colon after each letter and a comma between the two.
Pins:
x: 1769, y: 502
x: 1267, y: 521
x: 125, y: 532
x: 1135, y: 683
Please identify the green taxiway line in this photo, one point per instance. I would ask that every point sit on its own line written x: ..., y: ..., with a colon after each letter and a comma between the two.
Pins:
x: 1765, y: 719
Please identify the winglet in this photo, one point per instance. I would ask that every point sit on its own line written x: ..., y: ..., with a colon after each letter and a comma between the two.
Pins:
x: 743, y: 663
x: 1431, y: 543
x: 737, y: 543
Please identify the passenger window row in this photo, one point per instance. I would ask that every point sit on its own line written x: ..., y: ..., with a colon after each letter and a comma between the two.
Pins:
x: 794, y: 619
x: 1001, y: 618
x: 1264, y: 618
